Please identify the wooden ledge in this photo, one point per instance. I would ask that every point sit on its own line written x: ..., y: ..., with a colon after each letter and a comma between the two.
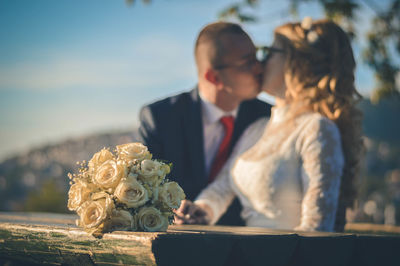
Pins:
x: 43, y: 238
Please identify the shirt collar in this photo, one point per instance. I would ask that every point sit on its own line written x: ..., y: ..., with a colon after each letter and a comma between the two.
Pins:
x: 212, y: 113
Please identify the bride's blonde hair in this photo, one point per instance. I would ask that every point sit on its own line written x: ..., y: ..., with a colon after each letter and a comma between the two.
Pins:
x: 319, y: 72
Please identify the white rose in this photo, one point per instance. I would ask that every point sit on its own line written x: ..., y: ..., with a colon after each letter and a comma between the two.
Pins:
x: 133, y: 151
x: 150, y: 219
x: 99, y: 195
x: 109, y: 174
x: 171, y: 195
x: 99, y: 158
x: 152, y: 172
x: 131, y: 193
x: 78, y: 194
x: 154, y: 194
x: 120, y: 220
x: 94, y: 213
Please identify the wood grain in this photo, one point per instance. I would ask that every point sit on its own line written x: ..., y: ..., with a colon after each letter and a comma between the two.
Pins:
x: 54, y: 239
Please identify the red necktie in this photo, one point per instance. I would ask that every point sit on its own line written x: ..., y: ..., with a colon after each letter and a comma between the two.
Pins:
x: 222, y: 154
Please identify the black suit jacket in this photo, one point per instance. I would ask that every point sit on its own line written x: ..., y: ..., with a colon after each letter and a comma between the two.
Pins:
x: 172, y: 130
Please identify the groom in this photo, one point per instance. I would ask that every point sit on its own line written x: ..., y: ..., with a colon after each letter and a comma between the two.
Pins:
x: 196, y: 130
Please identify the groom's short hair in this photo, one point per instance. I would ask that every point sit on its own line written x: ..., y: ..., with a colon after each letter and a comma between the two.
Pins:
x: 213, y: 34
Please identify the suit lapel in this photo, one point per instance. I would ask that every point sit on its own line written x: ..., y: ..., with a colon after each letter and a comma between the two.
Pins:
x: 193, y: 128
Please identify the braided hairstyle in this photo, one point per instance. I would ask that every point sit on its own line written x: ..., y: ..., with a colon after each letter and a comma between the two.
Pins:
x: 319, y: 73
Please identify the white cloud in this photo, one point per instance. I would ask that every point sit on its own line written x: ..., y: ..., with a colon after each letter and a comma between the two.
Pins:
x: 150, y: 61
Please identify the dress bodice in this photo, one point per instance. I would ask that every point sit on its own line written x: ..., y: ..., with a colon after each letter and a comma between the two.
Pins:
x: 286, y: 174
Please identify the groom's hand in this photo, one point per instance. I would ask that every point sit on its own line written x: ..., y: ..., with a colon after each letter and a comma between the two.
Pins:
x: 190, y: 213
x: 181, y: 212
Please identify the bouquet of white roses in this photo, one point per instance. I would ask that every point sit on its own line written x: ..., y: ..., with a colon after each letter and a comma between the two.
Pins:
x: 123, y: 190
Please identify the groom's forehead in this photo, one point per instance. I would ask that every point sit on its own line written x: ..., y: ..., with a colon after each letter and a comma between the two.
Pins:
x: 235, y: 40
x: 239, y: 45
x: 226, y: 47
x: 226, y: 41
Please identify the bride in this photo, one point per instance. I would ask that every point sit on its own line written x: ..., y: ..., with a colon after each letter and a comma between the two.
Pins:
x: 297, y: 172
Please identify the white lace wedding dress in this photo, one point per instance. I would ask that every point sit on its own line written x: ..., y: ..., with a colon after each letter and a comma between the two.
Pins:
x: 286, y: 174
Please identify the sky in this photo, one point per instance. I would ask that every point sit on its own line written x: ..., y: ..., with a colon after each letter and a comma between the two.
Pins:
x: 70, y: 68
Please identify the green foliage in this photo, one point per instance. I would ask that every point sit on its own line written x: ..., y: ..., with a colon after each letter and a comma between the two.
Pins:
x: 236, y: 10
x: 49, y: 198
x: 378, y: 55
x: 339, y: 9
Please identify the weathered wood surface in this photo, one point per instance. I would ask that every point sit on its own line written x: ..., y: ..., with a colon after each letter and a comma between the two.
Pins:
x: 381, y: 229
x: 38, y: 238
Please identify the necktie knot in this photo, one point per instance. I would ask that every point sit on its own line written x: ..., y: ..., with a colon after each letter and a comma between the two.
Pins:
x: 227, y: 122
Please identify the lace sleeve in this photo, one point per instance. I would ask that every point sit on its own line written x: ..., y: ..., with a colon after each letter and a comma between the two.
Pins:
x: 219, y: 194
x: 322, y: 157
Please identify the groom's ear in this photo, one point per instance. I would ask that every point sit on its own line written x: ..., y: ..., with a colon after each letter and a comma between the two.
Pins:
x: 212, y: 76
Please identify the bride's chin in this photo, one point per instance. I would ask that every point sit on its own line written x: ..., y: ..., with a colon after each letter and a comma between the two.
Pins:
x: 275, y: 91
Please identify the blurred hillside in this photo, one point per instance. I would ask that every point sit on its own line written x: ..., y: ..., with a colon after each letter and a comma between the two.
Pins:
x: 379, y: 188
x: 37, y: 180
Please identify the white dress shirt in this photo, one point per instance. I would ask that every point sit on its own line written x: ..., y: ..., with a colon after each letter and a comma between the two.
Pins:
x: 213, y: 130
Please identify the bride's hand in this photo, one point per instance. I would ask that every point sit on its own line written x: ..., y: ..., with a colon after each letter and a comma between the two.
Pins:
x: 191, y: 213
